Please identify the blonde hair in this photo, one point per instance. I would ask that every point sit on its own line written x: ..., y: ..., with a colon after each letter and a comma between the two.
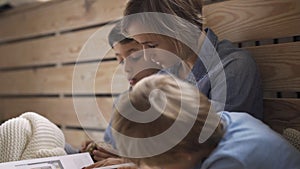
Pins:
x: 184, y: 28
x: 181, y: 97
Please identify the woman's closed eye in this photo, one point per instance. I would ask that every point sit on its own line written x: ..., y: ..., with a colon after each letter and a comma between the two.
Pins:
x: 130, y: 58
x: 150, y: 45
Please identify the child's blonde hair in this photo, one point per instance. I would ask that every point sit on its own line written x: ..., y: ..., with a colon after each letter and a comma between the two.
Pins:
x: 180, y: 97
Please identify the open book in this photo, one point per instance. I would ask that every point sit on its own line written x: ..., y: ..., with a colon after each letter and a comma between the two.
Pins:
x: 75, y: 161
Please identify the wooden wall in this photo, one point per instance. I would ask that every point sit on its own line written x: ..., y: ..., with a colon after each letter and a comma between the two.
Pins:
x: 39, y: 47
x: 269, y: 29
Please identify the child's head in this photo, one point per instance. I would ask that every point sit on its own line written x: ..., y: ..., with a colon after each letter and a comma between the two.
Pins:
x: 129, y: 53
x: 181, y: 99
x: 171, y: 25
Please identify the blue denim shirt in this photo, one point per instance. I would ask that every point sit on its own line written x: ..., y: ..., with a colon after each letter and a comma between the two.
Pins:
x: 240, y: 78
x: 108, y: 137
x: 250, y: 144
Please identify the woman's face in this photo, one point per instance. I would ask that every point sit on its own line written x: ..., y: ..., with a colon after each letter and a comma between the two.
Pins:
x: 157, y: 48
x: 130, y: 55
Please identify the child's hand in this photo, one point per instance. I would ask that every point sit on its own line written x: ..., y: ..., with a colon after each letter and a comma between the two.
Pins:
x: 108, y: 162
x: 99, y: 153
x: 84, y: 146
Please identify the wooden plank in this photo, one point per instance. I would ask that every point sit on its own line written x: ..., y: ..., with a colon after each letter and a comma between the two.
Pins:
x: 77, y: 137
x: 206, y: 2
x: 24, y: 8
x: 87, y: 79
x: 282, y: 113
x: 60, y: 16
x: 279, y: 65
x: 58, y: 49
x: 23, y: 3
x: 268, y: 94
x: 239, y: 20
x: 61, y: 111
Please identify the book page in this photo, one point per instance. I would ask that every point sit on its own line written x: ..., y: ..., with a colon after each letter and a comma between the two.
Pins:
x: 75, y: 161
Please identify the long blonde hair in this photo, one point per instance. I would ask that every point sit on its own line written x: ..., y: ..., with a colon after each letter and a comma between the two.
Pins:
x: 184, y: 28
x: 180, y: 97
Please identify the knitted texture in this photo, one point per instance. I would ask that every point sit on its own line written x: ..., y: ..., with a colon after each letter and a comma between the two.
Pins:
x: 293, y: 136
x: 30, y: 136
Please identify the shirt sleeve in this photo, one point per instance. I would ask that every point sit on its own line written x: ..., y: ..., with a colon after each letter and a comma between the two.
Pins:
x: 70, y: 150
x: 244, y: 91
x: 240, y: 84
x: 108, y: 137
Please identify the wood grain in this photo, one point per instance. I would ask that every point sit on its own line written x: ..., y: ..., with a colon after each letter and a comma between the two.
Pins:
x: 206, y: 2
x: 88, y: 79
x: 282, y: 113
x: 279, y: 66
x: 59, y: 16
x: 239, y: 20
x: 57, y: 49
x: 61, y: 111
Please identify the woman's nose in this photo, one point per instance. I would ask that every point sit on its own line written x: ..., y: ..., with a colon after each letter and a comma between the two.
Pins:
x: 127, y: 66
x: 147, y: 54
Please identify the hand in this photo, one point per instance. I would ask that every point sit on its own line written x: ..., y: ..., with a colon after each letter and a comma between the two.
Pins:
x: 108, y: 162
x: 103, y: 151
x: 84, y: 146
x: 99, y: 151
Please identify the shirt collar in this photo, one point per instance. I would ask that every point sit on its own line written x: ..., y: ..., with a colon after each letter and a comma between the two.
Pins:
x: 208, y: 49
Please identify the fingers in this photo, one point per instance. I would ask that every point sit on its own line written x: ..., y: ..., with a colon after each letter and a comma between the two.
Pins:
x: 99, y: 151
x: 113, y: 161
x: 128, y: 168
x: 84, y: 145
x: 104, y: 147
x: 92, y: 166
x: 87, y: 142
x: 101, y: 154
x: 109, y: 162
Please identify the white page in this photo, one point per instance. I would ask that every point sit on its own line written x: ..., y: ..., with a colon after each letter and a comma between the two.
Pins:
x: 75, y: 161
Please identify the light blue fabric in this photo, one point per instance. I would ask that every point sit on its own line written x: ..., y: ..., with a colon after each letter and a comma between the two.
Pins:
x: 70, y: 149
x: 250, y: 144
x: 108, y: 137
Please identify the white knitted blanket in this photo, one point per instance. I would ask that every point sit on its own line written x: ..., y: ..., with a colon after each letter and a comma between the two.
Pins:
x: 30, y: 136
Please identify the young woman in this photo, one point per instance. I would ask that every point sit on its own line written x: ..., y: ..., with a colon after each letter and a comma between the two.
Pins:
x: 172, y: 35
x: 238, y: 142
